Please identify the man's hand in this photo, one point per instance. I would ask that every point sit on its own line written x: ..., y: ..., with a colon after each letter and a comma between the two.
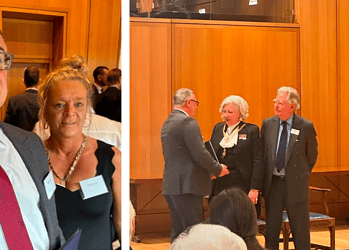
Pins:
x: 225, y: 170
x: 253, y: 194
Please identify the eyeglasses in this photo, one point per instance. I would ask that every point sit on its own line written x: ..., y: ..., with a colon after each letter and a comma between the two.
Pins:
x: 196, y: 102
x: 278, y: 102
x: 6, y: 60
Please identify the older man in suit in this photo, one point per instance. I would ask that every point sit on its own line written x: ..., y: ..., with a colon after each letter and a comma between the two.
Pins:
x: 22, y: 110
x: 188, y: 165
x: 27, y: 209
x: 290, y: 153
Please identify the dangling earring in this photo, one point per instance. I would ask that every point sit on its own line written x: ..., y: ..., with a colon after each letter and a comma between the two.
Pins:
x: 45, y: 124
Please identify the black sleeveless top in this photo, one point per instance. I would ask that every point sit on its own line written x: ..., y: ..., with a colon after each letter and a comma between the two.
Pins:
x: 93, y: 215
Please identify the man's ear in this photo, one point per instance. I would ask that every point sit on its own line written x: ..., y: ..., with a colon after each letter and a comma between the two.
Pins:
x: 187, y: 103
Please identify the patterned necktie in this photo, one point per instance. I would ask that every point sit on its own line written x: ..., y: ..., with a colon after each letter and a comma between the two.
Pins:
x: 11, y: 220
x: 280, y: 158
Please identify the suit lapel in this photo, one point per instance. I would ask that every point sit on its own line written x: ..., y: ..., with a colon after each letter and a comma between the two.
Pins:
x: 218, y: 136
x: 18, y: 140
x: 296, y: 125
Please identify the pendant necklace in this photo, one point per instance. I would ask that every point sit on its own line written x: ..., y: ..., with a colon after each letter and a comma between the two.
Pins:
x: 230, y: 135
x: 63, y: 180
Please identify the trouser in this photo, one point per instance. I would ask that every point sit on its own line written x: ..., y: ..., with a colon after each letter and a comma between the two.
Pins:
x: 298, y: 215
x: 186, y: 210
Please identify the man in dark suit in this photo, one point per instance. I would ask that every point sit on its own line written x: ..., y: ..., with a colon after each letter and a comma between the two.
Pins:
x: 22, y: 110
x: 100, y: 81
x: 24, y: 161
x: 290, y: 153
x: 108, y: 104
x: 188, y: 165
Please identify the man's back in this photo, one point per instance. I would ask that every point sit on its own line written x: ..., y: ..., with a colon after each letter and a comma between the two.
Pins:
x: 188, y: 166
x: 108, y: 104
x: 22, y: 110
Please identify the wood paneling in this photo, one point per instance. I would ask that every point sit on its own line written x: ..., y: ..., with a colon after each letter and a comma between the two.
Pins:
x: 104, y: 34
x: 221, y: 60
x: 88, y: 28
x: 31, y: 43
x: 29, y: 39
x: 150, y: 92
x: 77, y: 26
x: 343, y: 104
x: 319, y: 101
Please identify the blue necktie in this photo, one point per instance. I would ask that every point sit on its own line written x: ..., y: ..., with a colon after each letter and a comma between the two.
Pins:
x: 280, y: 158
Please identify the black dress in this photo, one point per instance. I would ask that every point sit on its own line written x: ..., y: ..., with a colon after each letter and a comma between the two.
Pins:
x: 244, y: 160
x: 93, y: 215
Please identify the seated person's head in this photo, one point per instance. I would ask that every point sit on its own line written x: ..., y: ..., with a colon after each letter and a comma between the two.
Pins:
x: 210, y: 237
x: 233, y: 209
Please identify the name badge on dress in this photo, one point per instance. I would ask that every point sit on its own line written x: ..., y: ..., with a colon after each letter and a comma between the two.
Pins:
x: 92, y: 187
x: 243, y: 137
x: 50, y: 185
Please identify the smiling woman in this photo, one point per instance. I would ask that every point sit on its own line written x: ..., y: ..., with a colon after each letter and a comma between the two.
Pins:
x: 75, y: 159
x: 238, y: 145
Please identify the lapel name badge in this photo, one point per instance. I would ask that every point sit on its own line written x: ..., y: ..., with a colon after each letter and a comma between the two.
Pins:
x: 295, y: 131
x: 50, y: 185
x: 92, y: 187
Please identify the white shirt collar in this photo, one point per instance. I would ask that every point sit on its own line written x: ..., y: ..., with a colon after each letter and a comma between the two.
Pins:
x: 181, y: 111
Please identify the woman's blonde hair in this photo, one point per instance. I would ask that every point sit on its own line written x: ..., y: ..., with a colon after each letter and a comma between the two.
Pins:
x: 239, y: 103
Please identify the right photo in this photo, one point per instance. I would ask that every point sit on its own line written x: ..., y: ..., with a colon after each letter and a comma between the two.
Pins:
x: 237, y: 124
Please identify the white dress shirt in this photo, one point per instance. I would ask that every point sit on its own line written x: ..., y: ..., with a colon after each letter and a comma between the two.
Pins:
x: 96, y: 126
x: 26, y: 193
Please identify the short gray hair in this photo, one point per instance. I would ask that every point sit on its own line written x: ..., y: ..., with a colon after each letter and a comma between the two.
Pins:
x: 208, y: 236
x: 181, y: 96
x: 292, y: 96
x: 239, y: 103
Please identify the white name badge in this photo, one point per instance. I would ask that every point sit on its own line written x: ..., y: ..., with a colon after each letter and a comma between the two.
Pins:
x: 295, y: 131
x: 50, y: 185
x: 92, y: 187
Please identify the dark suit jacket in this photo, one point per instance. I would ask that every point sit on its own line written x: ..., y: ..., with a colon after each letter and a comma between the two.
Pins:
x: 108, y: 104
x: 22, y: 110
x: 95, y: 95
x: 301, y: 155
x: 32, y: 152
x: 247, y: 154
x: 188, y: 165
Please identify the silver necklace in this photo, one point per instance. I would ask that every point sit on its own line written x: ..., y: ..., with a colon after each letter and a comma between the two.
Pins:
x: 71, y: 170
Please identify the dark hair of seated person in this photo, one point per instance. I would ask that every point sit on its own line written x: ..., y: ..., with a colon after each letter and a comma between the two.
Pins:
x: 233, y: 209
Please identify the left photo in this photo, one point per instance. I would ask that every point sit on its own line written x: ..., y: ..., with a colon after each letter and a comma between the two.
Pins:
x: 60, y: 125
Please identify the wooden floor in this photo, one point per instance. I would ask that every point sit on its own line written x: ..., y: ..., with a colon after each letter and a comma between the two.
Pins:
x: 321, y: 236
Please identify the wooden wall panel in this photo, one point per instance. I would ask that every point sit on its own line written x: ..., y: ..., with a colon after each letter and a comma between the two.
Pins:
x: 91, y: 29
x: 319, y: 101
x: 104, y: 34
x: 30, y: 39
x: 77, y: 26
x: 31, y: 43
x: 150, y: 91
x: 220, y: 60
x: 343, y: 59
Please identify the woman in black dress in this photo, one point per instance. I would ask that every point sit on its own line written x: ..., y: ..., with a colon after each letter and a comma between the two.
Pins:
x: 75, y: 158
x: 238, y: 145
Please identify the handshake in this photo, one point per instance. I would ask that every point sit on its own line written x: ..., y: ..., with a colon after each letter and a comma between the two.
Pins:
x: 224, y: 171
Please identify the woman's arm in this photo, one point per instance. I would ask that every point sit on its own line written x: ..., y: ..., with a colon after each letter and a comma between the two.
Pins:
x: 116, y: 189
